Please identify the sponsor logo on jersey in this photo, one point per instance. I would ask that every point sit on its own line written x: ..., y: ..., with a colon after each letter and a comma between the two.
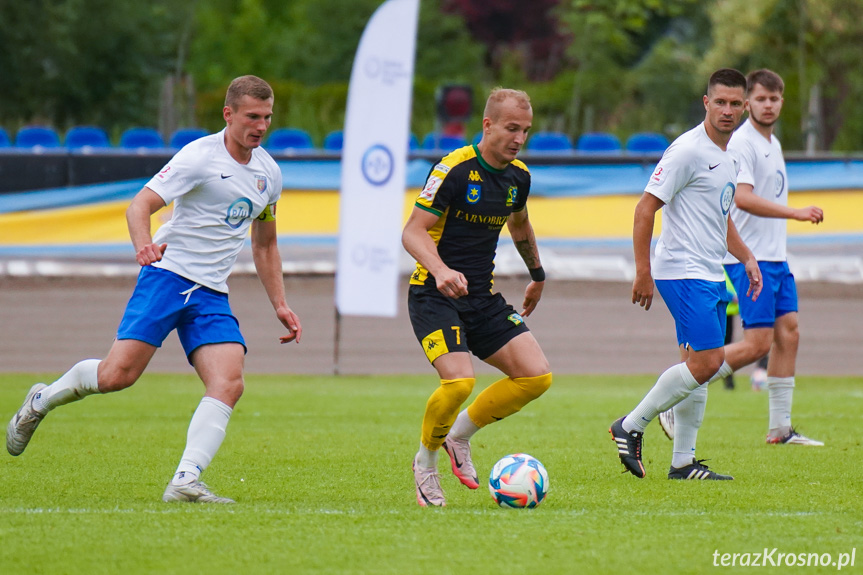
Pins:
x: 239, y: 212
x: 491, y: 221
x: 442, y: 168
x: 515, y: 318
x: 431, y: 187
x: 165, y: 173
x: 474, y: 191
x: 727, y: 197
x: 658, y: 175
x: 474, y: 176
x: 780, y: 183
x: 261, y: 183
x: 511, y: 195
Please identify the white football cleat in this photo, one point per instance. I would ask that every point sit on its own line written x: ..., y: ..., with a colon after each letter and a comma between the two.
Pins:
x: 24, y: 423
x: 192, y: 492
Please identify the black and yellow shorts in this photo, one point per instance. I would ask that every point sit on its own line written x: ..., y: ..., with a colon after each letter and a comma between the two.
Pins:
x: 478, y: 323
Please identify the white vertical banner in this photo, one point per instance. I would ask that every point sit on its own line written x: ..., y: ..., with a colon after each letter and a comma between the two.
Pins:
x: 374, y: 162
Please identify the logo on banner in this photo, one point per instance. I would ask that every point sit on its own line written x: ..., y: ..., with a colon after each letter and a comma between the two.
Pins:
x: 511, y: 195
x: 378, y: 165
x: 387, y: 71
x: 239, y: 212
x: 473, y: 193
x: 726, y: 198
x: 261, y: 183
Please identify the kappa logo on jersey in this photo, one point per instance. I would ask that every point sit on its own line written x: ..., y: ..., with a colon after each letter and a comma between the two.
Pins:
x: 474, y: 176
x: 515, y: 318
x: 239, y: 212
x: 726, y: 198
x: 165, y: 173
x: 658, y: 175
x: 442, y: 168
x: 261, y: 183
x: 511, y: 195
x: 473, y: 193
x: 431, y: 187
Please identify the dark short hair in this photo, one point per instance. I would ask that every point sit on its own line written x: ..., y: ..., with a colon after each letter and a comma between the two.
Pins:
x: 247, y: 86
x: 767, y: 78
x: 728, y: 77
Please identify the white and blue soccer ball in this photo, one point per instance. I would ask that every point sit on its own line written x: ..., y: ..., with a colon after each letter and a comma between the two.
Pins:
x: 518, y: 481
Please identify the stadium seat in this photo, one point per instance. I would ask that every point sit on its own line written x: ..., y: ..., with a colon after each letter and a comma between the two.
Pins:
x: 334, y: 140
x: 80, y: 137
x: 598, y: 143
x: 37, y: 137
x: 4, y: 139
x: 413, y: 143
x: 290, y: 139
x: 477, y: 138
x: 434, y: 141
x: 183, y: 136
x: 141, y: 138
x: 549, y: 143
x: 646, y: 143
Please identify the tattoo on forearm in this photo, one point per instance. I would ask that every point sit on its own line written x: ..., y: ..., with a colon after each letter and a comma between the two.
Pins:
x: 527, y: 251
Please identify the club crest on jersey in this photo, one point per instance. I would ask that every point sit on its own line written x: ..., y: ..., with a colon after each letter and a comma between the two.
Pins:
x: 473, y: 193
x: 511, y: 195
x: 515, y: 318
x: 261, y: 183
x: 726, y: 198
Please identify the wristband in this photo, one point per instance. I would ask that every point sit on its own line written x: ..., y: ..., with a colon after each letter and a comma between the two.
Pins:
x: 537, y: 274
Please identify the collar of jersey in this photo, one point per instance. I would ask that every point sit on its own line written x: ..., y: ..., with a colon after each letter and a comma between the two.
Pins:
x: 483, y: 163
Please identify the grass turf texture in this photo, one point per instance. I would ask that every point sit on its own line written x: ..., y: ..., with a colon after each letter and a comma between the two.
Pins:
x: 320, y: 468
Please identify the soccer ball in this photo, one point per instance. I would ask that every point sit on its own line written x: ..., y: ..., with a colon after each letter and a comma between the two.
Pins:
x: 518, y: 481
x: 758, y: 379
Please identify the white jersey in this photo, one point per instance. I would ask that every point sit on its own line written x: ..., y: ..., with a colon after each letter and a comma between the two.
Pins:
x: 763, y: 167
x: 215, y: 201
x: 696, y: 180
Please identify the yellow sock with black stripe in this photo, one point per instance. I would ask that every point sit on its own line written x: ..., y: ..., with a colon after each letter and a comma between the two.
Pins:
x: 442, y: 409
x: 505, y: 397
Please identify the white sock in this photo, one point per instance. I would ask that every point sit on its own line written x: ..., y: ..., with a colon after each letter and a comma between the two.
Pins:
x: 426, y: 458
x: 463, y: 428
x: 75, y: 384
x: 781, y: 392
x: 206, y: 432
x: 724, y: 371
x: 671, y: 387
x: 688, y: 415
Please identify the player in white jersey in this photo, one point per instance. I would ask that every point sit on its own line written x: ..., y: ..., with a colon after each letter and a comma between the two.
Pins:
x: 221, y: 186
x: 694, y: 185
x: 760, y: 212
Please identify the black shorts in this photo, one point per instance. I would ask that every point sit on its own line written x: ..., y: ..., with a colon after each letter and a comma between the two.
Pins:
x: 478, y: 323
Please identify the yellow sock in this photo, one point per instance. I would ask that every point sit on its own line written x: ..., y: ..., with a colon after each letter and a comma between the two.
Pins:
x: 505, y: 397
x: 442, y: 409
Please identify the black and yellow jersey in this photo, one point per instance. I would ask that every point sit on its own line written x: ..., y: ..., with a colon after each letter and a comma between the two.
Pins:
x: 473, y: 201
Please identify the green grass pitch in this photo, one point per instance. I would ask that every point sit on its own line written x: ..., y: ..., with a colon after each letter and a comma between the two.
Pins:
x: 320, y: 468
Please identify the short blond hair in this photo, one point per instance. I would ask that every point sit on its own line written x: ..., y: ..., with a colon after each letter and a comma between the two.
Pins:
x: 500, y: 95
x: 247, y: 86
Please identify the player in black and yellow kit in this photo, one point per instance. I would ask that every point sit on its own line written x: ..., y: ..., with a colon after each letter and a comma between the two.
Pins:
x: 453, y: 233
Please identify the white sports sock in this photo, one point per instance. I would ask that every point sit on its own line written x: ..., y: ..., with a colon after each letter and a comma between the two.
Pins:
x: 781, y: 392
x: 688, y: 415
x: 724, y: 371
x: 75, y: 384
x: 426, y: 458
x: 671, y: 387
x: 464, y: 427
x: 205, y: 436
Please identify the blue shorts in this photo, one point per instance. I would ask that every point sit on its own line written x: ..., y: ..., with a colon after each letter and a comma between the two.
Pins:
x: 164, y: 301
x: 698, y: 309
x: 778, y: 296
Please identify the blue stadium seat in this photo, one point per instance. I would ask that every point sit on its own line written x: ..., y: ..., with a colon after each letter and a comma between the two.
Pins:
x: 183, y: 136
x: 37, y: 136
x: 4, y: 138
x: 598, y: 143
x: 334, y: 141
x: 477, y: 138
x: 413, y: 143
x: 434, y: 141
x: 290, y: 139
x: 646, y: 143
x: 549, y: 143
x: 80, y: 137
x: 141, y: 138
